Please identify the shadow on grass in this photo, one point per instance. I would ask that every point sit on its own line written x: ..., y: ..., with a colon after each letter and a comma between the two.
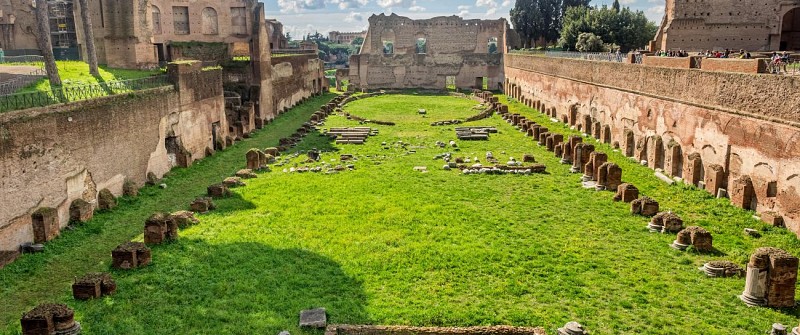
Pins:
x: 194, y: 286
x: 314, y: 139
x: 234, y: 202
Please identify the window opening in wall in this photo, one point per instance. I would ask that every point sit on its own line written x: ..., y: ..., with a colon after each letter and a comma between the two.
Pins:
x: 388, y: 47
x: 210, y: 25
x: 239, y: 20
x: 180, y: 20
x: 450, y: 82
x: 422, y: 45
x: 156, y: 20
x: 492, y: 45
x: 772, y: 189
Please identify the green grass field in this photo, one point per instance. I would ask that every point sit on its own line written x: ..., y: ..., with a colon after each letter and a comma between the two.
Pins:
x: 384, y: 244
x: 76, y: 73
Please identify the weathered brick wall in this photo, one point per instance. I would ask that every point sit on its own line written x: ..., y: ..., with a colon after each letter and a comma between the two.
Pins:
x: 735, y: 65
x: 762, y: 95
x: 295, y: 78
x: 673, y: 62
x: 655, y: 114
x: 54, y: 155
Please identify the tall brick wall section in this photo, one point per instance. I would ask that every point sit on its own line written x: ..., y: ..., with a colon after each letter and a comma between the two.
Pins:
x: 52, y: 156
x: 642, y: 109
x: 295, y: 78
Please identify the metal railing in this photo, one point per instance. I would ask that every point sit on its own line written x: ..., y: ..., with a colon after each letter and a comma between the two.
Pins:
x: 22, y: 59
x: 79, y: 92
x: 790, y: 67
x: 595, y: 56
x: 293, y: 52
x: 14, y: 85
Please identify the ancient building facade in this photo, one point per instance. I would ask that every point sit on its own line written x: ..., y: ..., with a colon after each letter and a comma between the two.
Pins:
x: 718, y: 24
x: 277, y: 39
x: 715, y: 130
x: 399, y: 52
x: 345, y: 38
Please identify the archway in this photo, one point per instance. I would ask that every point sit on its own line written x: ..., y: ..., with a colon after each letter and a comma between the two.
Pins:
x: 790, y: 30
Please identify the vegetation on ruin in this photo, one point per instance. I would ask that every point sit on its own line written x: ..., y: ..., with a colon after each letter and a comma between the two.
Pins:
x: 385, y: 244
x: 76, y: 73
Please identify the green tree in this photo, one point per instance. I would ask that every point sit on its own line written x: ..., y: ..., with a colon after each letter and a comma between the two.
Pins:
x: 588, y: 42
x: 358, y: 41
x: 627, y: 29
x: 45, y: 42
x: 615, y: 6
x: 536, y: 19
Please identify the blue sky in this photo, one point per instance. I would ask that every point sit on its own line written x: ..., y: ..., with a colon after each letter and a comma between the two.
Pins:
x: 307, y: 16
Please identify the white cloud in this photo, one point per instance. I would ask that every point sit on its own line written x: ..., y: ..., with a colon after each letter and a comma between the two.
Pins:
x: 396, y: 3
x: 507, y: 3
x: 299, y: 5
x: 491, y: 6
x: 464, y: 7
x: 354, y: 17
x: 627, y: 2
x: 345, y: 4
x: 416, y: 8
x: 656, y: 10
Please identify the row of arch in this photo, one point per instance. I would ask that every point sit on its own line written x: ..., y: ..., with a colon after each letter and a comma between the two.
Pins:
x: 665, y: 153
x: 180, y: 20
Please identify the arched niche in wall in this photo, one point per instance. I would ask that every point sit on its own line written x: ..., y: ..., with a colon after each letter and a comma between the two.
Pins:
x: 210, y: 21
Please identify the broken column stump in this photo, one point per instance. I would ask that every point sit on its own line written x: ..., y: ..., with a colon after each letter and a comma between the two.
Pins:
x: 742, y: 192
x: 699, y: 238
x: 771, y: 278
x: 644, y: 206
x: 218, y: 191
x: 184, y: 219
x: 666, y: 222
x: 93, y: 285
x: 130, y: 255
x: 202, y: 205
x: 159, y: 228
x: 609, y: 177
x: 253, y: 157
x: 45, y: 224
x: 626, y: 193
x: 80, y: 211
x: 48, y: 319
x: 722, y: 269
x: 106, y: 200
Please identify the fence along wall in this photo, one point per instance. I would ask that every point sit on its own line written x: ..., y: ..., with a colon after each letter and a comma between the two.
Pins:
x: 729, y: 131
x: 51, y: 156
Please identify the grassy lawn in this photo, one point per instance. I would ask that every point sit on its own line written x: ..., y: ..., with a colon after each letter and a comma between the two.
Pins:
x: 384, y: 244
x: 76, y: 73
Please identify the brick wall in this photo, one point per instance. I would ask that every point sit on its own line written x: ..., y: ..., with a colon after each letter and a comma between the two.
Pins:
x: 735, y: 65
x: 295, y: 78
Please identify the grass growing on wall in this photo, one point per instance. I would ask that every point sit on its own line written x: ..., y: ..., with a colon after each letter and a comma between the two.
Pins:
x: 76, y: 73
x: 388, y: 245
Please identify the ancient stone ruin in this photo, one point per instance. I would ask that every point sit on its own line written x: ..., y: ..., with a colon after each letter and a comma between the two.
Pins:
x: 697, y: 237
x: 722, y: 269
x: 202, y: 205
x: 49, y: 319
x: 354, y: 135
x: 93, y: 285
x: 474, y: 133
x: 626, y: 193
x: 665, y: 222
x: 771, y: 278
x: 314, y: 318
x: 131, y: 255
x: 160, y: 228
x: 644, y: 206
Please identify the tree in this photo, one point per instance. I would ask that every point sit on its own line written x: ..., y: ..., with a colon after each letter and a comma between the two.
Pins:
x: 288, y: 36
x: 358, y: 41
x: 45, y: 42
x: 615, y: 6
x: 627, y: 29
x: 588, y: 42
x: 541, y: 19
x: 88, y: 33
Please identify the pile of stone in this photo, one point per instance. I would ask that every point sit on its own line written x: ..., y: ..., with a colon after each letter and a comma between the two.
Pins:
x: 475, y: 133
x: 665, y: 222
x: 503, y: 169
x: 93, y: 286
x: 485, y: 114
x: 294, y: 139
x: 446, y: 123
x: 771, y: 278
x: 326, y: 168
x: 130, y: 255
x: 722, y: 269
x: 365, y: 120
x: 354, y: 135
x: 697, y: 237
x: 50, y: 319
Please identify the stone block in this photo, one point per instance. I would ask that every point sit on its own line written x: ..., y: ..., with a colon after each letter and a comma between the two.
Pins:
x: 272, y: 151
x: 218, y: 191
x: 666, y: 222
x: 80, y: 211
x: 558, y: 150
x: 93, y: 285
x: 626, y: 193
x: 742, y: 192
x: 106, y: 200
x: 202, y: 205
x: 155, y: 228
x: 130, y: 188
x: 184, y: 219
x: 246, y: 174
x: 543, y: 137
x: 314, y: 318
x: 644, y: 206
x: 592, y: 167
x: 233, y: 182
x: 48, y: 319
x: 45, y: 224
x: 771, y: 278
x: 528, y: 158
x: 772, y: 218
x: 254, y: 161
x: 130, y: 255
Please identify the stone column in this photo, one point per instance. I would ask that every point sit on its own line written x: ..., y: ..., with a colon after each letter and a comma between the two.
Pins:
x: 771, y: 278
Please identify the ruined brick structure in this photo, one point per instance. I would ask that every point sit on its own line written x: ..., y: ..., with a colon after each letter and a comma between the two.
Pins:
x: 720, y: 24
x: 399, y: 52
x: 277, y: 39
x: 712, y: 129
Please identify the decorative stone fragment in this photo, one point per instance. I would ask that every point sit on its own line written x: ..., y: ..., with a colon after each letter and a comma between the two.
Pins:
x: 626, y: 193
x: 778, y: 329
x: 45, y: 224
x: 130, y: 255
x: 218, y: 191
x: 771, y: 278
x: 106, y: 200
x: 93, y: 285
x: 695, y: 236
x: 246, y: 174
x: 314, y: 318
x: 665, y: 222
x: 202, y: 205
x: 49, y: 319
x: 184, y: 219
x: 80, y: 211
x: 722, y: 269
x: 572, y: 328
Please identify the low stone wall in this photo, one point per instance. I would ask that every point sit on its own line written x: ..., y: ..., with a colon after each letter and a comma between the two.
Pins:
x: 52, y: 156
x: 734, y: 65
x: 295, y: 78
x: 709, y: 143
x: 672, y: 62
